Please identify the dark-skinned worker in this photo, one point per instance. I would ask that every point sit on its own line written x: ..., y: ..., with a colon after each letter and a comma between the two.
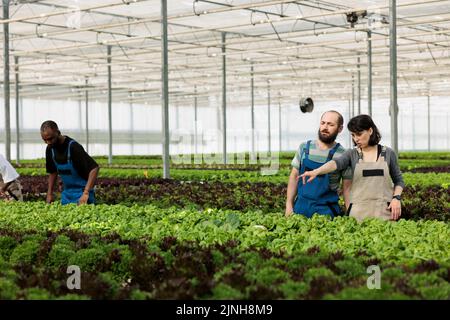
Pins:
x: 67, y: 158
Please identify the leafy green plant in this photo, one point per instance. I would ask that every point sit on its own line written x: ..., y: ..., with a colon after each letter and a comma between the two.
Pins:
x: 24, y: 253
x: 8, y: 289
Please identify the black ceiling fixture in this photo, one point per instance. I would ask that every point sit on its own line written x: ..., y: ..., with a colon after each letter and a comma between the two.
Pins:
x: 352, y: 17
x: 306, y: 105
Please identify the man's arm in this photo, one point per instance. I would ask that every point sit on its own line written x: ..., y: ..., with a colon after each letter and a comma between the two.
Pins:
x: 346, y: 186
x: 51, y: 184
x: 291, y: 192
x: 89, y: 185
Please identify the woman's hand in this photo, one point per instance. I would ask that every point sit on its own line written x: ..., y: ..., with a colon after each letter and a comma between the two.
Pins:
x: 310, y: 174
x: 396, y: 209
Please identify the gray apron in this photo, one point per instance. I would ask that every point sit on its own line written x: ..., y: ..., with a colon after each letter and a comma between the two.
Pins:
x: 372, y: 189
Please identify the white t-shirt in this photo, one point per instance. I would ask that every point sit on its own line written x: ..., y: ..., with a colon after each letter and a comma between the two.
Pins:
x: 7, y: 171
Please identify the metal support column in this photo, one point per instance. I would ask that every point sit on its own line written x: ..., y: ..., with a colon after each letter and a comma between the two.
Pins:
x: 448, y: 132
x: 165, y: 91
x: 359, y: 85
x: 132, y: 127
x: 353, y: 96
x: 287, y: 132
x: 177, y: 116
x: 252, y: 85
x: 402, y: 138
x: 224, y: 98
x: 279, y: 121
x: 86, y: 100
x: 429, y: 121
x: 393, y: 72
x: 109, y: 107
x: 6, y: 89
x: 80, y: 120
x: 349, y: 117
x: 16, y: 71
x: 195, y: 120
x: 269, y: 137
x: 413, y: 118
x: 369, y: 72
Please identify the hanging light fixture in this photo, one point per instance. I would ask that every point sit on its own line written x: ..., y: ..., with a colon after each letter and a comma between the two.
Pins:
x: 306, y: 105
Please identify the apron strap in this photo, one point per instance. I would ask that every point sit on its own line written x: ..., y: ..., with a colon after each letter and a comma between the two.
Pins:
x: 304, y: 151
x: 68, y: 150
x: 333, y: 151
x: 308, y: 145
x: 333, y: 209
x: 53, y: 155
x: 360, y: 154
x: 383, y: 153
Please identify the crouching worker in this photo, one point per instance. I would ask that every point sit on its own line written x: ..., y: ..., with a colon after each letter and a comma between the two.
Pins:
x: 10, y: 187
x: 66, y: 157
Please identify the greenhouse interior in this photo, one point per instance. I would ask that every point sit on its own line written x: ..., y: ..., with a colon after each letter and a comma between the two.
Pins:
x: 225, y: 150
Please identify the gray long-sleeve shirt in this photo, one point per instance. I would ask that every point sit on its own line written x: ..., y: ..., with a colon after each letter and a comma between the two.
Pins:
x: 350, y: 158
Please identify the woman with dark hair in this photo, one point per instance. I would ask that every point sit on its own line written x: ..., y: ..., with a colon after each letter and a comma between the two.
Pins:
x: 377, y: 182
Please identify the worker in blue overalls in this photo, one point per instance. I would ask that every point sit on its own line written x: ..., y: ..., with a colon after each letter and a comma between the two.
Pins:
x: 66, y: 157
x: 320, y: 196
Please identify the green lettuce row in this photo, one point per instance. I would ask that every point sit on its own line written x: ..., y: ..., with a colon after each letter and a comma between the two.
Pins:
x: 397, y: 242
x: 124, y: 162
x: 34, y: 266
x: 280, y: 176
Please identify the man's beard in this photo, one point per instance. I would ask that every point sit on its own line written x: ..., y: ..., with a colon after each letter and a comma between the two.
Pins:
x: 328, y: 139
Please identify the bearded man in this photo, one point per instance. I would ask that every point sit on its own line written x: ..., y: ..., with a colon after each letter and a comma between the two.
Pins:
x: 321, y: 195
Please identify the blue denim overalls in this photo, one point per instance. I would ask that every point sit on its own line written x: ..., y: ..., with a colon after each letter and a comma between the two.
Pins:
x: 316, y: 196
x: 73, y: 183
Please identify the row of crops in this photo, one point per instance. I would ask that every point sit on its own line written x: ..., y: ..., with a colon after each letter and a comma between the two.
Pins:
x: 420, y: 202
x: 216, y: 232
x: 148, y: 252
